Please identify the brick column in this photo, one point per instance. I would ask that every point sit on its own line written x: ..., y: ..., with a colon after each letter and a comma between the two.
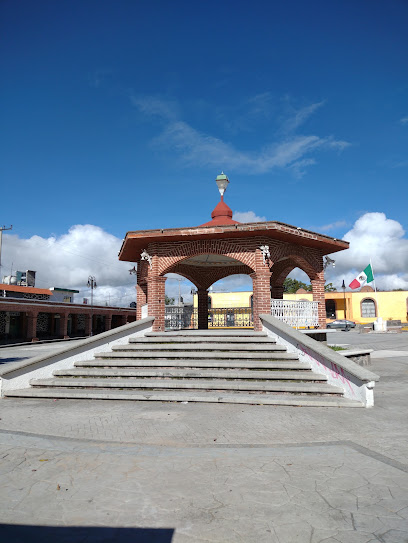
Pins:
x: 277, y: 292
x: 202, y: 310
x: 87, y: 324
x: 108, y: 322
x: 156, y: 301
x: 123, y: 319
x: 63, y: 330
x: 74, y: 327
x: 262, y: 296
x: 141, y: 299
x: 32, y: 326
x: 318, y: 296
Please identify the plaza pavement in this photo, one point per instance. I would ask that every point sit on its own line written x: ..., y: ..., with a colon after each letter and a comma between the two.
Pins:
x: 170, y: 472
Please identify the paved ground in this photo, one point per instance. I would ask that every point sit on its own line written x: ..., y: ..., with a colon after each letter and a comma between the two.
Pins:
x: 10, y: 353
x: 179, y: 473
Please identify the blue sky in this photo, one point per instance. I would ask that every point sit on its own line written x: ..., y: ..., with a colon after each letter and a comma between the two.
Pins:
x: 120, y: 114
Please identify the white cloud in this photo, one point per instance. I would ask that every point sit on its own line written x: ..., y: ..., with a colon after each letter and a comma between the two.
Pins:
x: 300, y: 275
x: 233, y: 283
x: 404, y: 120
x: 300, y: 116
x: 380, y: 239
x: 332, y: 226
x: 68, y: 260
x: 153, y: 106
x: 247, y: 216
x: 197, y: 148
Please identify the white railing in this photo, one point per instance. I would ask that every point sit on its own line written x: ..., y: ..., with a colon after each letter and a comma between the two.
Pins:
x: 296, y: 313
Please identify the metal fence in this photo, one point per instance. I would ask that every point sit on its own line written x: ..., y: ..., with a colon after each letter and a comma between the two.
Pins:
x: 296, y: 313
x: 230, y: 317
x: 180, y: 317
x: 177, y: 318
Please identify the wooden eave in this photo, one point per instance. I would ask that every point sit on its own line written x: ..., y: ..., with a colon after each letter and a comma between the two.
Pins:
x: 135, y: 242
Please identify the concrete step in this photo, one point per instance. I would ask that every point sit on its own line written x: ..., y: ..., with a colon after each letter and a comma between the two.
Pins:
x: 183, y: 355
x: 191, y: 363
x: 183, y: 373
x: 185, y: 396
x: 225, y: 333
x: 177, y: 384
x: 200, y: 339
x: 187, y: 346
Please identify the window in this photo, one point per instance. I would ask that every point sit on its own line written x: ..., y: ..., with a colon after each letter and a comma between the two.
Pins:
x: 209, y: 302
x: 368, y: 308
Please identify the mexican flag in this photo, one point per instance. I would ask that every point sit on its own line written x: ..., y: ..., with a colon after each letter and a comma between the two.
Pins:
x: 362, y: 278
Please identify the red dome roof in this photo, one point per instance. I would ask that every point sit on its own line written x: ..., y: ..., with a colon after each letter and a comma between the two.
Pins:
x: 221, y: 215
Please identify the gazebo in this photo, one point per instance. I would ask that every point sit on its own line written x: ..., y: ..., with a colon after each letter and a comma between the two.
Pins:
x: 266, y: 251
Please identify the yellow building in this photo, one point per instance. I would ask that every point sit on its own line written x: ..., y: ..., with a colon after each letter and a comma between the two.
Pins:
x: 361, y: 307
x: 229, y: 309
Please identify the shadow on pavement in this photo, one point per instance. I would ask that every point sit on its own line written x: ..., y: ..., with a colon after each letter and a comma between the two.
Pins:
x: 15, y: 533
x: 15, y: 359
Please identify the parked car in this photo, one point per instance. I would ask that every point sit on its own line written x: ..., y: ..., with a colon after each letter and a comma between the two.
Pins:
x: 341, y: 324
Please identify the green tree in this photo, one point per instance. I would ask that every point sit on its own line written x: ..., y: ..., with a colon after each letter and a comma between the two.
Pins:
x: 168, y: 301
x: 292, y: 285
x: 329, y: 287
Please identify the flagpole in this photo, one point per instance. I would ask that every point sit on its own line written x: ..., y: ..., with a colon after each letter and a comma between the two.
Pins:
x: 375, y: 291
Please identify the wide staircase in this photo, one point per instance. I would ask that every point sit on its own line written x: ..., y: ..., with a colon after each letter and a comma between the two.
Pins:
x: 193, y: 366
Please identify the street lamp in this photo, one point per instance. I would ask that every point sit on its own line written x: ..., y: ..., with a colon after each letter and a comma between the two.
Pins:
x: 133, y: 271
x: 91, y: 285
x: 343, y: 286
x: 222, y: 183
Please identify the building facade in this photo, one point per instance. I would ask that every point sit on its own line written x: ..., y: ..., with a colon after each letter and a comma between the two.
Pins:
x: 29, y: 314
x: 362, y: 307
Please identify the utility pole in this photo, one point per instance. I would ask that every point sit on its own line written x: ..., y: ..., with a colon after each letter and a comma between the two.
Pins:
x: 2, y: 228
x: 91, y: 285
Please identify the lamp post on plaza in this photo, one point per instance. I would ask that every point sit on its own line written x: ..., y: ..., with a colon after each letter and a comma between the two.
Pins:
x: 343, y: 286
x: 91, y: 285
x: 133, y: 271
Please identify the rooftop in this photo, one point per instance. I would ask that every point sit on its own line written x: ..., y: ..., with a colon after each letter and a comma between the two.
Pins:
x: 25, y: 290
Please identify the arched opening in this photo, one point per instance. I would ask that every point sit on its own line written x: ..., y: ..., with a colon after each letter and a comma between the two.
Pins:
x: 202, y: 272
x: 232, y: 302
x: 297, y: 293
x: 179, y: 302
x: 368, y: 308
x: 287, y: 278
